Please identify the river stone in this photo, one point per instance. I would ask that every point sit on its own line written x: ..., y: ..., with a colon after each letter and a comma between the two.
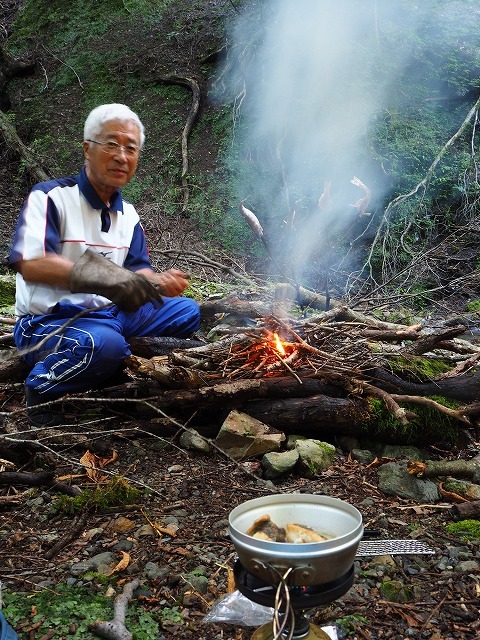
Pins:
x: 402, y: 451
x: 314, y: 456
x: 193, y: 441
x: 242, y: 437
x: 394, y: 480
x: 278, y: 464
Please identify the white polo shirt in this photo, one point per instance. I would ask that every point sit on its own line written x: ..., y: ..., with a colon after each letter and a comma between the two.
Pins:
x: 66, y: 216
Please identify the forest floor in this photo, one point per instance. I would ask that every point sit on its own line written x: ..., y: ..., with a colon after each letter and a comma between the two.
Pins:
x: 174, y: 538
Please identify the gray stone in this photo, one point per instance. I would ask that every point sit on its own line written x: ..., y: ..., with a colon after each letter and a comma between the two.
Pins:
x: 80, y: 568
x: 468, y: 566
x: 102, y: 558
x: 278, y: 464
x: 402, y: 451
x: 394, y: 480
x: 193, y: 441
x: 154, y: 572
x: 363, y: 456
x: 314, y: 456
x: 242, y: 437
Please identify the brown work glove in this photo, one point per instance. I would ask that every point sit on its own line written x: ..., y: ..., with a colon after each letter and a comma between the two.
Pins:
x: 93, y: 273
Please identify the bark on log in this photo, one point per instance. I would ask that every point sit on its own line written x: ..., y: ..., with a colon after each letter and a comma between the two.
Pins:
x: 30, y: 162
x: 160, y: 346
x: 435, y: 468
x: 431, y: 341
x: 465, y: 387
x: 317, y: 415
x: 466, y: 510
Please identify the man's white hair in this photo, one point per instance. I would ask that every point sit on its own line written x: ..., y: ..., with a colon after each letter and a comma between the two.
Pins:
x: 106, y: 112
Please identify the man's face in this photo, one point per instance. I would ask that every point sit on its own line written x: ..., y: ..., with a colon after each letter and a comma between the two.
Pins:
x: 106, y: 171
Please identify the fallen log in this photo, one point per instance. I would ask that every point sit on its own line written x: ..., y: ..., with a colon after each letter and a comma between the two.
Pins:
x: 431, y: 341
x: 435, y: 468
x: 115, y: 629
x: 466, y: 510
x: 464, y: 387
x: 149, y: 347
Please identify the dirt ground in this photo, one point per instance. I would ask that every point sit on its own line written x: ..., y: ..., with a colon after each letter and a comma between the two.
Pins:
x: 179, y: 526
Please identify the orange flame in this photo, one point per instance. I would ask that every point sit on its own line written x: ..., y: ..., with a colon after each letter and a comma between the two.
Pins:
x: 278, y: 345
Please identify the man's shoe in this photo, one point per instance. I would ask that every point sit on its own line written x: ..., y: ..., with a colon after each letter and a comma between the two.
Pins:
x: 39, y: 415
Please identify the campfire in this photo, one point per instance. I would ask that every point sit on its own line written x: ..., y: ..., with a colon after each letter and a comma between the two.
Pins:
x: 323, y: 368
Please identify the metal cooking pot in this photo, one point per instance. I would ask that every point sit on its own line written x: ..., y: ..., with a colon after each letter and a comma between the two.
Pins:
x: 310, y: 563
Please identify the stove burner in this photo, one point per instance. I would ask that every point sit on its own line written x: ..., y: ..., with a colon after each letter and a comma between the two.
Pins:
x: 301, y: 597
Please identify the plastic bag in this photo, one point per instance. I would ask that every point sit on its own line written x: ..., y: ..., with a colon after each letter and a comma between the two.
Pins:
x: 236, y: 609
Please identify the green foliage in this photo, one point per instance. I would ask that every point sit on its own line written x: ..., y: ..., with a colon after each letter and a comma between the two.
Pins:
x: 349, y: 623
x: 70, y: 610
x: 115, y: 492
x: 468, y: 530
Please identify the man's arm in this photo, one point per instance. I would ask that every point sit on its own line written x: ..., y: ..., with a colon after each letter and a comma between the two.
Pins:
x: 52, y: 269
x: 170, y: 283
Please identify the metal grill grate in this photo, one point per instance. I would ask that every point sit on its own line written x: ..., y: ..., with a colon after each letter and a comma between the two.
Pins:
x: 392, y: 547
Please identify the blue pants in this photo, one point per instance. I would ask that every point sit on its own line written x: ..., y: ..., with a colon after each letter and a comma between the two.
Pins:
x: 91, y: 349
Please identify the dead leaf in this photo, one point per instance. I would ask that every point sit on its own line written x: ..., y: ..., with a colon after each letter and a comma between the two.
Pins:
x: 123, y: 564
x: 93, y: 463
x: 450, y: 495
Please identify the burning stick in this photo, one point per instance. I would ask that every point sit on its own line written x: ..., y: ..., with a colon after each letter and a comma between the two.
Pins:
x: 362, y: 203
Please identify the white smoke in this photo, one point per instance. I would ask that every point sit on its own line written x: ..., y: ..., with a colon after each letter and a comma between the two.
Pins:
x: 307, y: 83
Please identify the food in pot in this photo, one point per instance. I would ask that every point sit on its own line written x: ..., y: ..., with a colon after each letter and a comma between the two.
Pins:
x: 265, y: 529
x: 298, y: 534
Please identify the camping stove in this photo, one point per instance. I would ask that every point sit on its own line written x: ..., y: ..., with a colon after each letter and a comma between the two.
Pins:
x: 292, y: 622
x: 293, y: 578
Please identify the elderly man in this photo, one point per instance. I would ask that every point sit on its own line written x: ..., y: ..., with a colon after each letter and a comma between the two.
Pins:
x: 79, y: 248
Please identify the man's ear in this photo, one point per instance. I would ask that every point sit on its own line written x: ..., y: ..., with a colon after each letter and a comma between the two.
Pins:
x: 86, y: 149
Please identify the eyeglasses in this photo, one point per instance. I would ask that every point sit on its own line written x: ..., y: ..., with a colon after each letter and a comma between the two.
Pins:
x: 113, y: 148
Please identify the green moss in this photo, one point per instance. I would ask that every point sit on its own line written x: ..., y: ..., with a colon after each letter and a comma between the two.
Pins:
x: 473, y: 305
x: 428, y: 423
x: 7, y: 294
x: 116, y: 492
x: 418, y: 369
x: 395, y: 591
x: 468, y: 530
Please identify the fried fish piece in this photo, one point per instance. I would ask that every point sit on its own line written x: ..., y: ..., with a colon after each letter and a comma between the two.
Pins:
x: 264, y: 529
x: 298, y: 534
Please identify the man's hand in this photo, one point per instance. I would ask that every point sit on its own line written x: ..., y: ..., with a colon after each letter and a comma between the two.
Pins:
x: 93, y: 273
x: 170, y: 283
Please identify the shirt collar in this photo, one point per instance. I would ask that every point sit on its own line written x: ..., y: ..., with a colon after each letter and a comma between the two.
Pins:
x: 92, y: 197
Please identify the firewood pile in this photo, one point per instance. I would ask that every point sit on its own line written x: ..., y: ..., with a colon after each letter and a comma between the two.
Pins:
x: 313, y: 366
x: 330, y: 351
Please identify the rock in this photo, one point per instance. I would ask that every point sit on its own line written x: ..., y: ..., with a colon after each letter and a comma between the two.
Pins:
x: 363, y: 456
x: 193, y: 441
x: 466, y: 489
x: 402, y: 451
x: 314, y: 456
x: 468, y: 566
x: 394, y: 480
x: 278, y: 464
x: 242, y: 436
x: 155, y: 572
x: 395, y: 591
